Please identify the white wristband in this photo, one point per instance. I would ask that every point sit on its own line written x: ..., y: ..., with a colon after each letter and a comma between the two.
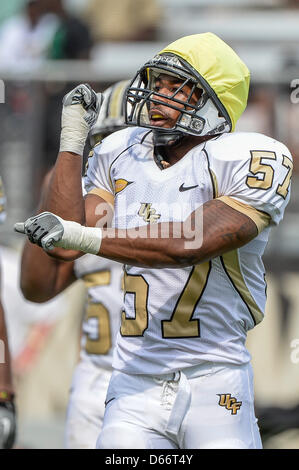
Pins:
x: 74, y: 129
x: 80, y: 238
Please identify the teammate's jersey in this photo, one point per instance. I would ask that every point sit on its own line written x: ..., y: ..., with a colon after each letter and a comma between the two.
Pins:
x: 103, y: 280
x: 175, y: 318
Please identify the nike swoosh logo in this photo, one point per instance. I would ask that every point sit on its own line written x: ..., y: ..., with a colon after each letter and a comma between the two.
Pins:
x: 106, y: 402
x: 186, y: 188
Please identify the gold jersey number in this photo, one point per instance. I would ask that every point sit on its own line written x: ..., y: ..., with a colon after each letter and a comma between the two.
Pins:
x: 181, y: 323
x: 266, y: 172
x: 97, y: 317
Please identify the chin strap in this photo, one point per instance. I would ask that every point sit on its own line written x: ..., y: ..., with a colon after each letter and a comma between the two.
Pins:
x: 162, y: 140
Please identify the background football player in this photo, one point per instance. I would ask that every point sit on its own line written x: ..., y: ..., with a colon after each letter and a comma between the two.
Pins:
x: 7, y: 406
x: 182, y: 375
x: 42, y: 278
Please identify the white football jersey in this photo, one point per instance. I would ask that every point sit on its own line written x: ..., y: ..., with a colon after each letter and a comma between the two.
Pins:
x: 103, y: 281
x: 176, y: 318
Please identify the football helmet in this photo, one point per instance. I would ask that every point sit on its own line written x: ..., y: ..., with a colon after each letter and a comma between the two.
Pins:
x: 112, y: 113
x: 202, y: 61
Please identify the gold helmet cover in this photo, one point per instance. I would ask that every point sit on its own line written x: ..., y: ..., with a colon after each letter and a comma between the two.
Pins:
x: 203, y: 61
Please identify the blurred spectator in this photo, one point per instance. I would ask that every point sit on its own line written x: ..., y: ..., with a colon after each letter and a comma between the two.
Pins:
x: 123, y: 20
x: 72, y: 39
x: 25, y: 37
x: 290, y: 3
x: 8, y: 9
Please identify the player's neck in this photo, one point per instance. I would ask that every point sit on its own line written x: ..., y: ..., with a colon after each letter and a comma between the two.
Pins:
x: 175, y: 153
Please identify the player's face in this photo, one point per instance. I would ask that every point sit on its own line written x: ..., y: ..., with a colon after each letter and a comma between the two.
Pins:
x: 162, y: 115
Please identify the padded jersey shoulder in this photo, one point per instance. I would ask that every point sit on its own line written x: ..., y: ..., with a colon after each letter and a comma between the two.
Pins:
x: 237, y: 146
x: 119, y: 141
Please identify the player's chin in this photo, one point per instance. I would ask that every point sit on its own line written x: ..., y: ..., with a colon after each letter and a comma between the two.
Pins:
x: 161, y: 123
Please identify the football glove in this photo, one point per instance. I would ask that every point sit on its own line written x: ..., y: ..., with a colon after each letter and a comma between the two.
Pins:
x: 48, y: 231
x: 80, y: 111
x: 7, y: 424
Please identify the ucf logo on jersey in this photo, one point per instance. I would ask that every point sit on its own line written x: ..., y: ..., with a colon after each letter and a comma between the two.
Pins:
x: 229, y: 402
x: 148, y: 213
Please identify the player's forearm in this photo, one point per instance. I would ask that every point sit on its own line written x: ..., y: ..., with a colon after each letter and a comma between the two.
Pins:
x: 64, y: 195
x: 203, y: 236
x: 137, y: 247
x: 211, y: 230
x: 38, y: 273
x: 43, y: 277
x: 40, y: 278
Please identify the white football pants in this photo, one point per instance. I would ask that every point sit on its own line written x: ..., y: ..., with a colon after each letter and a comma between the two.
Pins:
x: 86, y: 406
x: 203, y: 407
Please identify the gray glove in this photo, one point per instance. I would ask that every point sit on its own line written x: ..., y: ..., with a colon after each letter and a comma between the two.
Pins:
x: 80, y: 111
x: 88, y: 98
x: 42, y: 230
x: 49, y: 230
x: 8, y: 425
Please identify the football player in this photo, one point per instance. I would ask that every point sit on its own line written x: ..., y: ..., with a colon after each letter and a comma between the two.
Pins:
x: 42, y: 278
x: 7, y: 406
x: 194, y: 203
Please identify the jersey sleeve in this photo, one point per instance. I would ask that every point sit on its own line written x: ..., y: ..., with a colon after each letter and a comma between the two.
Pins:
x: 253, y: 174
x: 97, y: 177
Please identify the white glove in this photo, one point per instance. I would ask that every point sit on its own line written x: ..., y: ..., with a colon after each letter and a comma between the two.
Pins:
x: 48, y: 231
x: 80, y: 111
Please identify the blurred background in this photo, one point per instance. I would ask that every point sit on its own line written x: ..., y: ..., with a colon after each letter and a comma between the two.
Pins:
x: 47, y: 47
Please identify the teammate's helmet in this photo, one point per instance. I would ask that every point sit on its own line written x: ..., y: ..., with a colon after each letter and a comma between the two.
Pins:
x: 112, y: 114
x: 2, y: 202
x: 203, y: 61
